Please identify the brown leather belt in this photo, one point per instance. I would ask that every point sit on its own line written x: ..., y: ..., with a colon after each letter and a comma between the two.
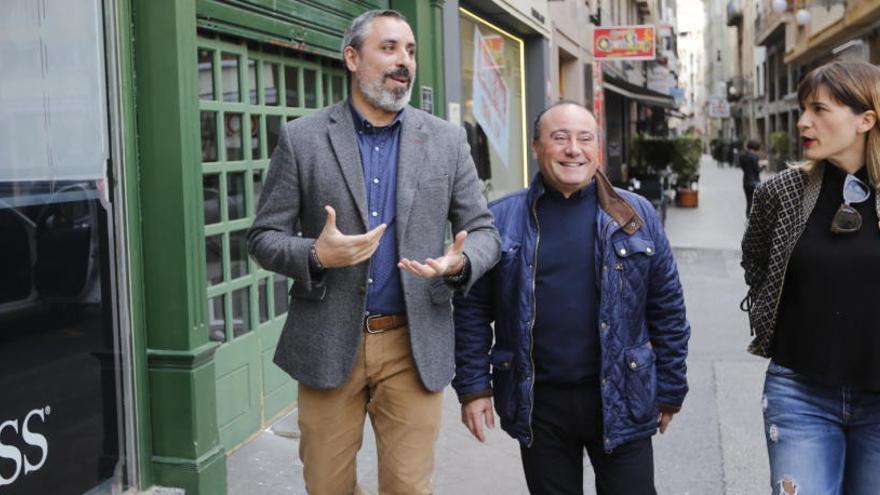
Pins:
x: 383, y: 323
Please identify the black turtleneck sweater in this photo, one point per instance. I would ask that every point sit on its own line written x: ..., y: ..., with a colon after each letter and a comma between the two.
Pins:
x: 566, y: 345
x: 828, y: 327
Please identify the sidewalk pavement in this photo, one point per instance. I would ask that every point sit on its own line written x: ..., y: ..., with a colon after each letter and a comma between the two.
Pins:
x: 715, y: 445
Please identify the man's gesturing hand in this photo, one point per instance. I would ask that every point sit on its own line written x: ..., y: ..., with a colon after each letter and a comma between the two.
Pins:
x: 335, y: 249
x: 474, y: 413
x: 450, y: 263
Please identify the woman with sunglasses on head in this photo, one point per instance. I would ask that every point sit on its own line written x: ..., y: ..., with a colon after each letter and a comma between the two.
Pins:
x: 811, y: 254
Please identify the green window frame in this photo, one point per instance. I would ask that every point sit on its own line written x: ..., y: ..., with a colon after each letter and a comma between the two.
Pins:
x: 246, y: 95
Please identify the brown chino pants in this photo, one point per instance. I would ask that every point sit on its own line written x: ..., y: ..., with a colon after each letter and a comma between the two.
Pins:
x: 405, y: 417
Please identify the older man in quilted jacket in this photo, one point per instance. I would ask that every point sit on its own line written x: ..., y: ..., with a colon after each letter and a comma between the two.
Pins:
x: 590, y: 337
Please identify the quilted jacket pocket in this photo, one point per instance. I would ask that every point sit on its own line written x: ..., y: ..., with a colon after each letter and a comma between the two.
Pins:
x: 641, y: 382
x: 503, y: 382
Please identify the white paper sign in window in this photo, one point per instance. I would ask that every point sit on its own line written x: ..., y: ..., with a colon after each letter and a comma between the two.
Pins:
x: 53, y: 108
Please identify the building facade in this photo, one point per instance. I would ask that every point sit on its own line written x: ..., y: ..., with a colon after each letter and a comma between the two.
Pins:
x: 489, y: 45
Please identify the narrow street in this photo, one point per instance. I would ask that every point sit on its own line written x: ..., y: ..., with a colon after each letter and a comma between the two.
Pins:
x: 715, y: 445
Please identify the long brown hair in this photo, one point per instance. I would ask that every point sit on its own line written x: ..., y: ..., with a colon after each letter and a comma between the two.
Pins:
x: 857, y: 86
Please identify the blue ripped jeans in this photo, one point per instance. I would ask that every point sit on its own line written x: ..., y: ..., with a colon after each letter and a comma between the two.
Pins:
x: 821, y: 439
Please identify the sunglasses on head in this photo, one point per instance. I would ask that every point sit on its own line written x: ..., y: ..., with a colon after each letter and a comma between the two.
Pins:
x: 847, y: 220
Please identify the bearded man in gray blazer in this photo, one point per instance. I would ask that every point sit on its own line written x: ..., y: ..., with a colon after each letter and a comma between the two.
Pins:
x: 371, y: 183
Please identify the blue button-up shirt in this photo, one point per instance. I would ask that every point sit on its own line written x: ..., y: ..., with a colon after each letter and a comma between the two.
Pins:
x: 379, y: 147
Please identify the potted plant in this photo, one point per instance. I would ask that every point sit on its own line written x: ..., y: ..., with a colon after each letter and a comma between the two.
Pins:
x: 686, y: 154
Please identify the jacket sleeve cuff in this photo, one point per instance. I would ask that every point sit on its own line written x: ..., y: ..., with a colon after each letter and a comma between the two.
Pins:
x: 465, y: 398
x: 666, y: 408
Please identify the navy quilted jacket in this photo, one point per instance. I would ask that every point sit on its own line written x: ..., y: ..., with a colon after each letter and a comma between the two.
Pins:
x: 642, y: 325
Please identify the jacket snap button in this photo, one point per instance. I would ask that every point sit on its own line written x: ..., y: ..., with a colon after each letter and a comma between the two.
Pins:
x: 623, y: 251
x: 603, y: 325
x: 633, y: 365
x: 649, y: 250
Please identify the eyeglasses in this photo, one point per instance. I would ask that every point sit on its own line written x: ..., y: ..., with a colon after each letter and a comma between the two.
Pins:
x: 847, y: 220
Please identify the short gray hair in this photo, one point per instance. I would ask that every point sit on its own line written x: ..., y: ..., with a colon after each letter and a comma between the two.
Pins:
x: 357, y: 30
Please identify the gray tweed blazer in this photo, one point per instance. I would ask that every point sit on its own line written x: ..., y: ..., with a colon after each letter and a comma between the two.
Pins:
x: 317, y: 163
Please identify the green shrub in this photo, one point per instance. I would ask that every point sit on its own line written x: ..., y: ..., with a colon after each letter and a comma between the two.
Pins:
x: 650, y: 154
x: 686, y: 159
x: 780, y: 144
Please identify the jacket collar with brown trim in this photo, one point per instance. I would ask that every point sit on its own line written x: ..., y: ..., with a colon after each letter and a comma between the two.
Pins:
x: 609, y: 200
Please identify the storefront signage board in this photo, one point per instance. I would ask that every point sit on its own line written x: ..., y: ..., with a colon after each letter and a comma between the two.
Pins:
x: 624, y: 43
x: 717, y: 107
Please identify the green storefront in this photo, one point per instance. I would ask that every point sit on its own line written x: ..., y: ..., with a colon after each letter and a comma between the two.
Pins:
x: 193, y: 94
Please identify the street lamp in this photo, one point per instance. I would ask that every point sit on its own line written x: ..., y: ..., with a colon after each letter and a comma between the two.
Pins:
x: 802, y: 17
x: 779, y: 6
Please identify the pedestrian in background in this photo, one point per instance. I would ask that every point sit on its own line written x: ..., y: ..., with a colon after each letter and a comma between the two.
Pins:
x: 811, y: 254
x: 372, y: 184
x: 590, y: 336
x: 748, y: 161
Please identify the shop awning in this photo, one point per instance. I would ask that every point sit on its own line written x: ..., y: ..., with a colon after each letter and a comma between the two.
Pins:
x: 639, y: 93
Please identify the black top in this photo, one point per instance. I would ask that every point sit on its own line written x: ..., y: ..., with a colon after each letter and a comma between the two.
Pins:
x: 566, y: 335
x: 751, y: 170
x: 828, y: 326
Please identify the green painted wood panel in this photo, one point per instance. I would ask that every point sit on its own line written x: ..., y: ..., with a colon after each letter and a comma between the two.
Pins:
x: 245, y: 95
x: 309, y: 26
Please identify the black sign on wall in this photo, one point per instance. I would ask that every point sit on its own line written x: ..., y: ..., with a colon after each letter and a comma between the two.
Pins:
x: 428, y: 99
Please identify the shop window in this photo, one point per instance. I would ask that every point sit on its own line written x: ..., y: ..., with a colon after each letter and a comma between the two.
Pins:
x: 211, y: 193
x: 238, y: 257
x: 236, y: 206
x: 214, y: 258
x: 234, y: 139
x: 230, y: 77
x: 493, y: 115
x: 252, y: 82
x: 270, y: 84
x: 263, y: 299
x: 206, y: 74
x: 310, y: 81
x: 217, y: 319
x: 256, y: 125
x: 209, y: 136
x: 291, y: 83
x: 259, y: 90
x: 241, y: 312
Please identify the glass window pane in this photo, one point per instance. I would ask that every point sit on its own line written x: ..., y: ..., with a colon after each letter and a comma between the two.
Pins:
x: 263, y: 299
x: 235, y: 197
x: 241, y: 312
x: 258, y: 185
x: 206, y: 74
x: 325, y: 84
x: 209, y: 136
x: 234, y: 139
x: 217, y: 319
x: 238, y: 256
x: 280, y: 289
x: 273, y: 129
x: 291, y: 84
x: 211, y: 193
x: 214, y: 258
x: 255, y: 137
x: 252, y: 81
x: 310, y: 81
x: 229, y: 76
x: 270, y: 83
x: 337, y: 89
